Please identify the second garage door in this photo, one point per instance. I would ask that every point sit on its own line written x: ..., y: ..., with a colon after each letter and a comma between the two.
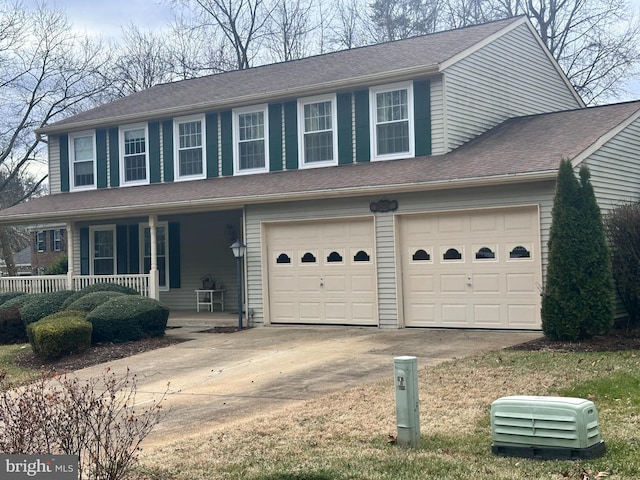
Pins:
x: 471, y: 269
x: 322, y: 272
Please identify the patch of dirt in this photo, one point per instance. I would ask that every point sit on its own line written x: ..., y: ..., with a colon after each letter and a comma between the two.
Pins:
x: 221, y: 330
x: 614, y: 342
x: 100, y: 353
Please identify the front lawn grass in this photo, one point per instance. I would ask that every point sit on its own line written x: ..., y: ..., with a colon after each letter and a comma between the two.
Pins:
x: 345, y: 435
x: 13, y: 374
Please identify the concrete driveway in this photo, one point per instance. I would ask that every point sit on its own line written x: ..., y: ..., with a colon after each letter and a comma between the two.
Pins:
x: 214, y: 378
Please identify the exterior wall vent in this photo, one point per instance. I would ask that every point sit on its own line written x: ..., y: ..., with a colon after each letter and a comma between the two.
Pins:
x: 545, y: 428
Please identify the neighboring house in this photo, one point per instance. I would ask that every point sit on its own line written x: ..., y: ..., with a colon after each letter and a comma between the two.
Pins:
x: 406, y: 184
x: 22, y: 261
x: 47, y: 246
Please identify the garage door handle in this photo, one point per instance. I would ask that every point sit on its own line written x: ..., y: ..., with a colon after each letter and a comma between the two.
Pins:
x: 321, y: 282
x: 469, y: 280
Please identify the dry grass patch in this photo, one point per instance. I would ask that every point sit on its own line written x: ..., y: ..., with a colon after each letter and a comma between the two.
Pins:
x: 344, y: 436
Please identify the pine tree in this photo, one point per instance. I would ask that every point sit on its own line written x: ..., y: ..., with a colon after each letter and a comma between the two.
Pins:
x: 577, y: 302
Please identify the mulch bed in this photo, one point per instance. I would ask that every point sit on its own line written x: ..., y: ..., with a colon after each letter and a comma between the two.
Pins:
x: 615, y: 342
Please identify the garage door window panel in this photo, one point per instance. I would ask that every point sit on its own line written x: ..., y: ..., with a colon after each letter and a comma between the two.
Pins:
x: 520, y: 252
x: 485, y: 253
x: 284, y: 259
x: 453, y: 254
x: 361, y: 256
x: 309, y: 258
x: 335, y: 257
x: 421, y: 255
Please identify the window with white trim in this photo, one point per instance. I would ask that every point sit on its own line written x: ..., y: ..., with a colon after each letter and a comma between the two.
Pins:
x: 82, y: 155
x: 190, y: 147
x: 318, y: 140
x: 134, y: 162
x: 162, y: 243
x: 391, y: 109
x: 103, y: 250
x: 41, y: 241
x: 57, y: 240
x: 251, y: 144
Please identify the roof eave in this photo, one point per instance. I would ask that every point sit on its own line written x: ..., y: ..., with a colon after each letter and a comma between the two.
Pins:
x: 212, y: 204
x: 353, y: 82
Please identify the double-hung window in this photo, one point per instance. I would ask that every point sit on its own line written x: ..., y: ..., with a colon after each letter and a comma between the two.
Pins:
x: 190, y: 147
x: 103, y: 251
x: 318, y: 140
x: 162, y: 243
x: 82, y: 149
x: 391, y: 109
x: 57, y: 240
x: 134, y: 157
x: 41, y: 241
x: 251, y: 145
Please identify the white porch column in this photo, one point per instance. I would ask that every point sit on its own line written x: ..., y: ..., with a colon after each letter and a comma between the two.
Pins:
x: 154, y: 277
x: 70, y: 254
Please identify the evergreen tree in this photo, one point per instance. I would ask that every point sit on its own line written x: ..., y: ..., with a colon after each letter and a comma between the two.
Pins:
x: 577, y: 302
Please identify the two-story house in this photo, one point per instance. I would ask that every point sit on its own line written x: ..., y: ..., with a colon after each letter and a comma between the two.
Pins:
x: 405, y: 184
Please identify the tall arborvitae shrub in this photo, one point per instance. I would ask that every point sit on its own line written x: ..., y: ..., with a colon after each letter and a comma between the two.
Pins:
x: 577, y: 301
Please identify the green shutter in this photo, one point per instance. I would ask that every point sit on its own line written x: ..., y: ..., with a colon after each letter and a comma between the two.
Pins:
x: 167, y: 149
x: 345, y: 130
x: 84, y: 251
x: 122, y: 257
x: 114, y: 157
x: 422, y: 117
x: 174, y: 255
x: 134, y: 249
x: 101, y: 158
x: 154, y: 152
x: 212, y: 144
x: 275, y: 137
x: 64, y: 163
x: 226, y: 132
x: 291, y: 134
x: 363, y: 146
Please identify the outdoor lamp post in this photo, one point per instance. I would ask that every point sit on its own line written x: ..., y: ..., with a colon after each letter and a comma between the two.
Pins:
x: 238, y: 248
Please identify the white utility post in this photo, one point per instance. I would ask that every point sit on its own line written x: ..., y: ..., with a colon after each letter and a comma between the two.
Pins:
x: 70, y: 259
x: 405, y: 372
x: 154, y: 277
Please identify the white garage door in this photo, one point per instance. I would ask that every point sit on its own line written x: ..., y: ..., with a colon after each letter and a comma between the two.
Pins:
x: 475, y: 269
x: 322, y: 272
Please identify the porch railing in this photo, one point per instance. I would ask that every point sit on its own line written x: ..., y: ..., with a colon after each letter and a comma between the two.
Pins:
x: 54, y: 283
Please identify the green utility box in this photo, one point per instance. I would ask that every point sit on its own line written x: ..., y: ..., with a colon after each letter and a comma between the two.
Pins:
x: 545, y: 427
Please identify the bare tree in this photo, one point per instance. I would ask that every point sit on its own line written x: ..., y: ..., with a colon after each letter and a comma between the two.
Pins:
x: 241, y: 22
x: 46, y: 72
x: 397, y: 19
x: 350, y: 25
x: 289, y: 29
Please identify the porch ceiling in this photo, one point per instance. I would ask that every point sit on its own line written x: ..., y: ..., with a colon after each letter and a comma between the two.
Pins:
x: 519, y: 150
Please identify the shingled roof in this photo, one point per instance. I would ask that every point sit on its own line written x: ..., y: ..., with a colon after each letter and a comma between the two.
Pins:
x: 520, y: 149
x: 417, y: 55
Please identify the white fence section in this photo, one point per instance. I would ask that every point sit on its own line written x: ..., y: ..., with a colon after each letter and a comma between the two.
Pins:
x: 54, y: 283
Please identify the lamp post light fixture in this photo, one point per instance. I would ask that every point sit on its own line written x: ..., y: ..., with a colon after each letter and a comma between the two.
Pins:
x: 238, y: 248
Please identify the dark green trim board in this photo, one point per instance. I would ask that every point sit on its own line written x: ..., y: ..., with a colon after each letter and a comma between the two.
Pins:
x: 174, y: 255
x: 114, y: 157
x: 363, y: 145
x: 275, y: 137
x: 84, y: 251
x: 226, y: 147
x: 345, y: 128
x: 291, y: 134
x: 211, y: 142
x: 167, y: 149
x: 422, y: 117
x: 154, y: 152
x: 101, y: 158
x: 63, y: 140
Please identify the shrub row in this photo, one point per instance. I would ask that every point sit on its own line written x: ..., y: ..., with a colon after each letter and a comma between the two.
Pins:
x: 55, y: 323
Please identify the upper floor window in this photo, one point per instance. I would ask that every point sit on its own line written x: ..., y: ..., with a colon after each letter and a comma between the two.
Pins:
x: 41, y: 241
x: 251, y: 149
x: 190, y: 147
x: 392, y: 121
x: 133, y: 161
x: 57, y: 240
x: 82, y: 149
x: 317, y: 130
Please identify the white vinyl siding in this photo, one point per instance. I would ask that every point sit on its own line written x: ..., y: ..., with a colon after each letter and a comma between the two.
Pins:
x: 509, y: 77
x: 54, y: 164
x: 615, y: 168
x: 438, y: 138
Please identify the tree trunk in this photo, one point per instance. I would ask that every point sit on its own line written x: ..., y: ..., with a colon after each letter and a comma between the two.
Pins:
x: 7, y: 254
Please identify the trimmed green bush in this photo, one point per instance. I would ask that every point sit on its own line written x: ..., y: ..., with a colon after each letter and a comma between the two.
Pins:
x: 58, y: 315
x: 59, y: 267
x: 53, y: 338
x: 91, y: 301
x: 98, y: 287
x: 17, y: 301
x: 128, y: 318
x: 12, y: 328
x: 41, y: 305
x: 6, y: 296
